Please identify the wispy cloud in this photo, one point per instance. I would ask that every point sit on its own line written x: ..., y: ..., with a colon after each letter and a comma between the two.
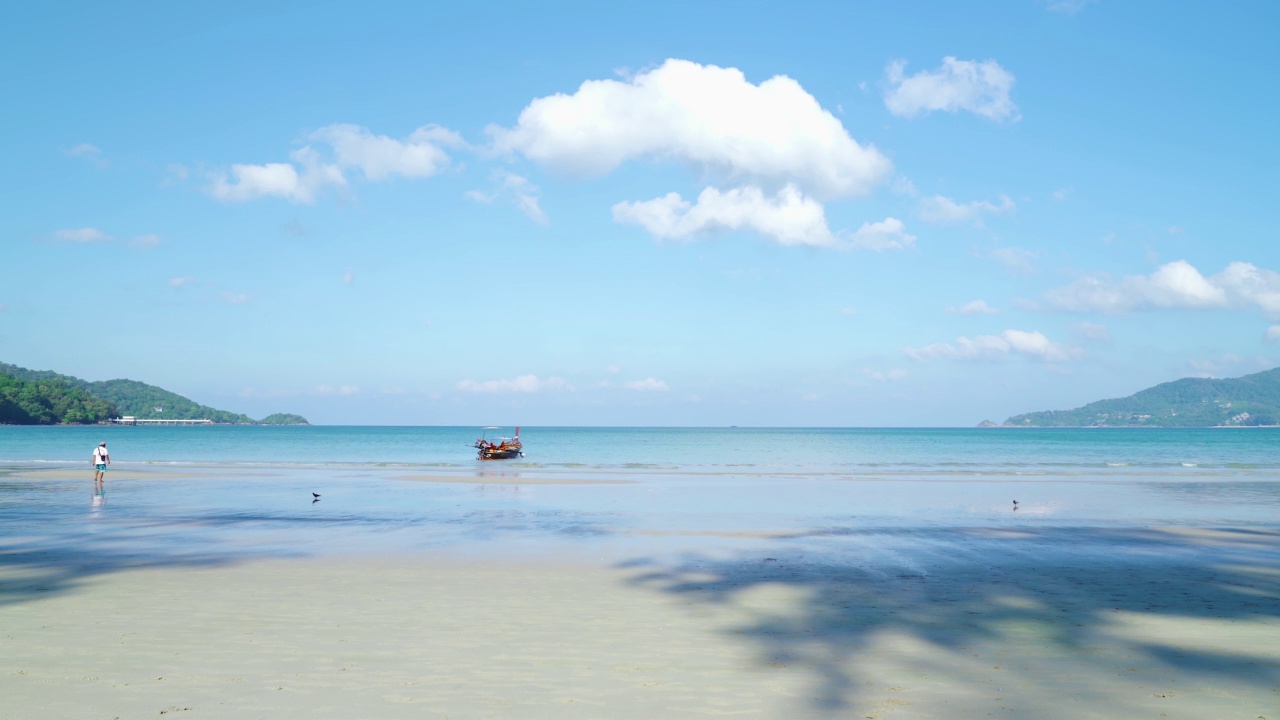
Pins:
x: 942, y: 209
x: 1091, y: 332
x: 973, y: 307
x: 520, y: 384
x: 149, y: 240
x: 235, y: 298
x: 181, y: 281
x: 1031, y: 344
x: 351, y: 149
x: 81, y: 235
x: 515, y: 190
x: 1016, y: 260
x: 885, y: 376
x: 88, y: 152
x: 981, y: 88
x: 647, y: 385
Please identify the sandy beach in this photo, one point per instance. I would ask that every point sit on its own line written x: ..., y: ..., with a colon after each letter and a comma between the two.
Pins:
x: 159, y: 617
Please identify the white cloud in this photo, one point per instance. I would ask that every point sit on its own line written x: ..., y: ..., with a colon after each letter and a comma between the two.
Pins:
x: 979, y: 87
x: 81, y: 235
x: 3, y: 307
x: 647, y: 385
x: 790, y: 217
x: 181, y: 281
x: 379, y: 157
x: 990, y: 347
x: 1060, y: 194
x: 354, y: 148
x: 973, y: 307
x: 889, y: 376
x: 235, y: 298
x: 149, y: 240
x: 707, y: 117
x: 942, y: 209
x: 613, y: 369
x: 515, y: 189
x: 1273, y: 333
x: 1174, y: 285
x: 299, y: 181
x: 888, y: 234
x: 521, y: 384
x: 850, y: 311
x: 1015, y: 260
x: 349, y: 277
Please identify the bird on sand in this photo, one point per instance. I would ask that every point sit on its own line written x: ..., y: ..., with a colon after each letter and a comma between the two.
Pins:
x: 1015, y: 503
x: 315, y: 497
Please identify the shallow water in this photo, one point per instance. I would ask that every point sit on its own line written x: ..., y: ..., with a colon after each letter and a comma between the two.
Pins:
x: 614, y: 493
x: 858, y: 452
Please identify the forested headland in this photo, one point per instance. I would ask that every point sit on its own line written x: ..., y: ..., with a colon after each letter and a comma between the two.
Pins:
x: 44, y: 397
x: 1247, y: 401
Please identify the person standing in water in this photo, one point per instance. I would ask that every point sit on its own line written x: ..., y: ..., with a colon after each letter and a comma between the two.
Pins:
x: 100, y: 462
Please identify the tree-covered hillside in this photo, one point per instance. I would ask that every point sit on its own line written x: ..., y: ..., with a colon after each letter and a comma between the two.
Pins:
x: 48, y: 402
x: 148, y: 401
x: 130, y: 397
x: 1189, y: 402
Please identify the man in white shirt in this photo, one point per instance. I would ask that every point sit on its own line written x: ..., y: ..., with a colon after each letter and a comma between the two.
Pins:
x: 100, y: 462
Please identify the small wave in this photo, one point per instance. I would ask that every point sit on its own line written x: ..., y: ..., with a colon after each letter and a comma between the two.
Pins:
x: 1119, y: 464
x: 1187, y: 464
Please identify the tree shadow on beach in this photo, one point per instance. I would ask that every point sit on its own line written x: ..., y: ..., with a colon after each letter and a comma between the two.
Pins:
x: 56, y: 549
x: 1059, y: 592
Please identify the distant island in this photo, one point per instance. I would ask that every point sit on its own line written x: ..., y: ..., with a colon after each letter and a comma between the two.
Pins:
x: 283, y: 419
x: 1247, y: 401
x: 44, y: 397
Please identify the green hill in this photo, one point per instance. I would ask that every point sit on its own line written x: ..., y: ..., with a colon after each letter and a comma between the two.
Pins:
x: 48, y: 402
x: 130, y: 397
x: 1190, y: 402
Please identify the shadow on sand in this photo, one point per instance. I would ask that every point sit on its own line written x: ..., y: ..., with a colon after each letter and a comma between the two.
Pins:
x: 952, y: 593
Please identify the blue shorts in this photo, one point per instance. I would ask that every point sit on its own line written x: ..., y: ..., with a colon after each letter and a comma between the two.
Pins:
x: 100, y: 467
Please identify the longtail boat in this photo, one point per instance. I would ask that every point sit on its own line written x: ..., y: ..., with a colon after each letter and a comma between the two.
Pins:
x: 498, y: 447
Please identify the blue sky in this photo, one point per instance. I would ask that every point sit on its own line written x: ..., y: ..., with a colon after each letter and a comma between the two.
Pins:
x: 664, y: 214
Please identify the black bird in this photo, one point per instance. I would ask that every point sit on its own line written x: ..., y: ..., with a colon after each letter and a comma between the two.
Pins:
x: 1015, y: 503
x: 317, y: 497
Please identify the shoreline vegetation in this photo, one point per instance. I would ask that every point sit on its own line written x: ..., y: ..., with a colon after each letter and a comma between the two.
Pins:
x: 44, y: 397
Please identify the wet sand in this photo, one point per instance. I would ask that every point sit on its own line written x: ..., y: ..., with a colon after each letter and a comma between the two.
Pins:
x: 143, y: 612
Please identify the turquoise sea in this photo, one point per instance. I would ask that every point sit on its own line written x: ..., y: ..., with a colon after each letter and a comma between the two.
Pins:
x: 620, y: 492
x: 812, y: 452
